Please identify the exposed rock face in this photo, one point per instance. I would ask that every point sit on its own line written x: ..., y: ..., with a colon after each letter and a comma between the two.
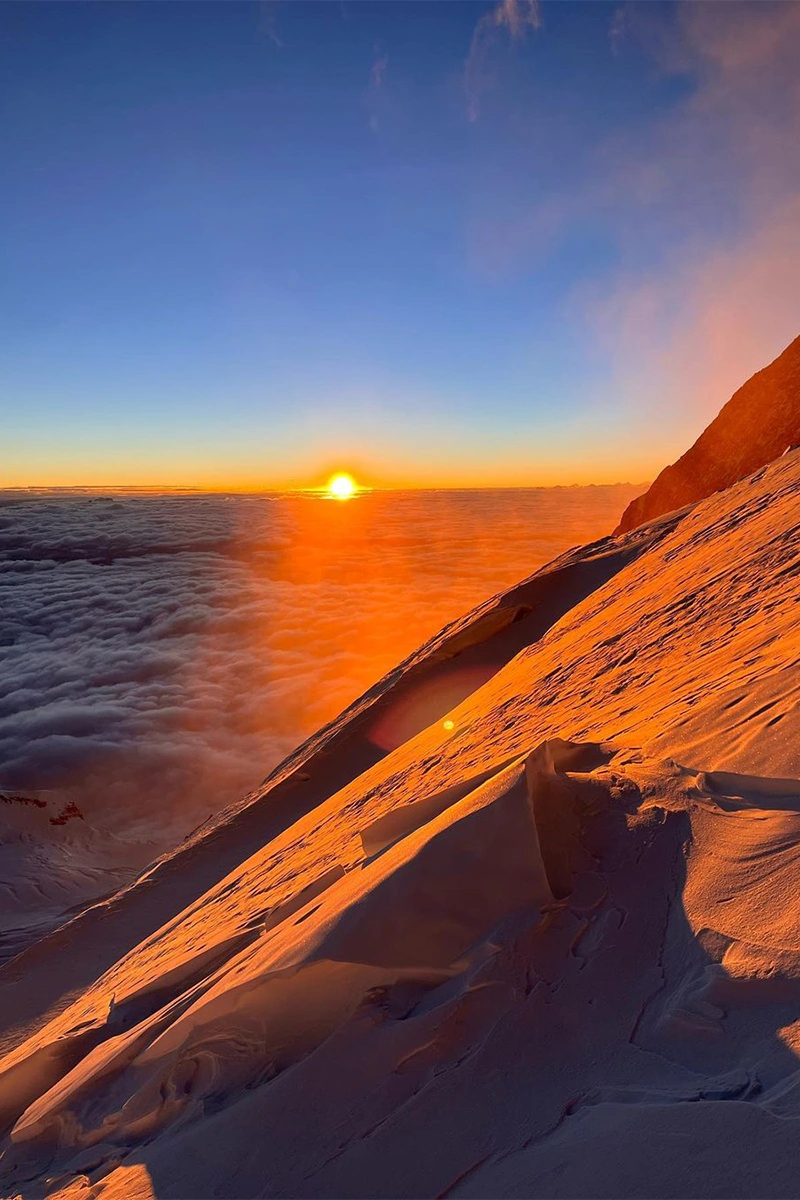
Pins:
x: 757, y: 424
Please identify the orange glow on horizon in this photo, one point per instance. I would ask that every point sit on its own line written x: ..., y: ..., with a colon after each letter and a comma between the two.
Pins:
x: 230, y: 476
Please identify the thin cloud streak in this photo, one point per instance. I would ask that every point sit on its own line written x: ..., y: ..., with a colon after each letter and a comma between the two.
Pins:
x: 268, y: 21
x: 510, y: 20
x: 377, y: 77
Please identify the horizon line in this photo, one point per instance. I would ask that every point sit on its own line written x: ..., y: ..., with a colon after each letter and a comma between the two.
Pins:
x: 317, y: 490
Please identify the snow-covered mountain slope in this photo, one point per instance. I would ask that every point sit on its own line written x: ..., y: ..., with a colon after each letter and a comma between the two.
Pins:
x: 419, y: 691
x: 53, y: 863
x: 545, y: 945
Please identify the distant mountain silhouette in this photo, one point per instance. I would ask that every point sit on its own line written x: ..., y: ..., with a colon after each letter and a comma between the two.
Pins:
x: 759, y: 422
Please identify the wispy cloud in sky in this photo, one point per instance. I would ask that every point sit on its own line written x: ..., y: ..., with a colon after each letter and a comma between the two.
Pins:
x: 726, y: 298
x: 618, y: 27
x: 379, y: 68
x: 509, y: 20
x: 696, y: 204
x: 268, y: 21
x: 377, y: 78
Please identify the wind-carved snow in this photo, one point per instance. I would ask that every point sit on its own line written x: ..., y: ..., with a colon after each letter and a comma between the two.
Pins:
x: 530, y: 951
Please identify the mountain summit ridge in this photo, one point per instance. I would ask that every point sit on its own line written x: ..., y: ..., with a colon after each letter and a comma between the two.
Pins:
x: 759, y: 422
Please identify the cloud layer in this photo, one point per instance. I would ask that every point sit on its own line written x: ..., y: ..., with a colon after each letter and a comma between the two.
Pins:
x: 159, y: 654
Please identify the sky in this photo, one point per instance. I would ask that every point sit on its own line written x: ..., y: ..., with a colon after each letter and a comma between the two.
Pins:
x: 436, y: 244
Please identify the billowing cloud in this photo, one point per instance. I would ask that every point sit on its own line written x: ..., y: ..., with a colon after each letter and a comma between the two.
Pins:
x: 159, y: 654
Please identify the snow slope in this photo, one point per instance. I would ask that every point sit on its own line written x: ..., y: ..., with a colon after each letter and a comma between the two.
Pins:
x: 53, y: 862
x: 542, y: 943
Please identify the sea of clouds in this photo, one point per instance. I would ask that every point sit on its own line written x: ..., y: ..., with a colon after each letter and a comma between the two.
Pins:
x: 159, y: 654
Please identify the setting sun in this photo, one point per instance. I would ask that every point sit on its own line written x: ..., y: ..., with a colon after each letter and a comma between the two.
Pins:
x: 342, y: 486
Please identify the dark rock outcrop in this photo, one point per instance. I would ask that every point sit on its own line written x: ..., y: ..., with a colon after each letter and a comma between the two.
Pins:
x: 760, y: 421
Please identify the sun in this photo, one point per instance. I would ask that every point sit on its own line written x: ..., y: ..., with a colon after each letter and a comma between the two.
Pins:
x: 342, y: 486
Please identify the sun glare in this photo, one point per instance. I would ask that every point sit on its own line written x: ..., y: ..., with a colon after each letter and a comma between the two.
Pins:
x: 342, y: 486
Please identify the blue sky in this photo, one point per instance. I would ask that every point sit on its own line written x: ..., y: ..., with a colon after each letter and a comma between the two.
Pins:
x: 438, y: 243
